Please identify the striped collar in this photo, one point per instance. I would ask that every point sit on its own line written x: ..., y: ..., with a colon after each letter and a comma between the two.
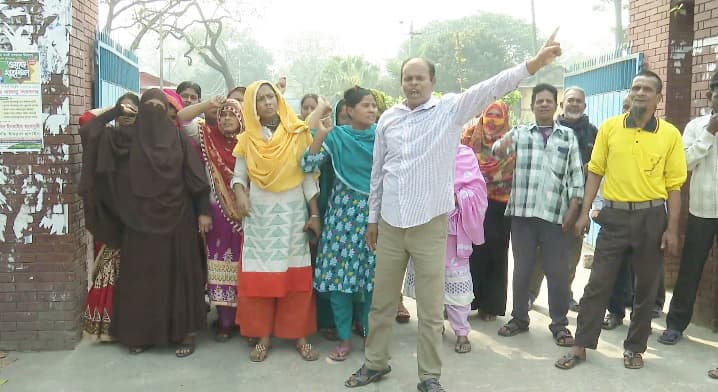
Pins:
x: 630, y: 122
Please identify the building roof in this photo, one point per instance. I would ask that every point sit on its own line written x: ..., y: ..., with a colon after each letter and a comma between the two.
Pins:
x: 148, y: 81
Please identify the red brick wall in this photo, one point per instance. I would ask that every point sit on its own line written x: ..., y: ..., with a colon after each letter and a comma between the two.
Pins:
x: 648, y: 31
x: 682, y: 50
x: 705, y: 64
x: 43, y: 266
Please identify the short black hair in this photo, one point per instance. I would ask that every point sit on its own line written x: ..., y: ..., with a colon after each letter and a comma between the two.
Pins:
x: 131, y: 96
x: 313, y: 96
x: 354, y: 95
x: 714, y: 82
x: 650, y: 74
x: 189, y: 84
x: 429, y: 64
x: 544, y: 87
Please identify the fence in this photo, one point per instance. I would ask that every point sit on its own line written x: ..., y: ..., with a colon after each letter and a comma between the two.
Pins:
x: 607, y: 80
x: 118, y: 71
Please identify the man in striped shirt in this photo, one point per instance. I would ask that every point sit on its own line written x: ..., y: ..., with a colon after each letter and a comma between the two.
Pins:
x: 544, y: 203
x: 412, y: 186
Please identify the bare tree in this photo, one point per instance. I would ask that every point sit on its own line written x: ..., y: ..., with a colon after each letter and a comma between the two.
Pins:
x: 618, y: 6
x: 199, y: 26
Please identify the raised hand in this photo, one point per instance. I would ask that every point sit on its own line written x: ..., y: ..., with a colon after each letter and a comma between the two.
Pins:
x: 547, y: 55
x: 128, y: 110
x: 218, y: 101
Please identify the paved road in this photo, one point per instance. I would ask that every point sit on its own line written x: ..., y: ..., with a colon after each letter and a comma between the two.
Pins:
x: 521, y: 363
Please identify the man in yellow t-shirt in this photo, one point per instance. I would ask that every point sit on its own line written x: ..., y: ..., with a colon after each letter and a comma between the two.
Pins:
x: 644, y: 166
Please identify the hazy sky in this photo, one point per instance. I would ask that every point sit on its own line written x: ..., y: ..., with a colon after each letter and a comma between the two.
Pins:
x: 376, y: 28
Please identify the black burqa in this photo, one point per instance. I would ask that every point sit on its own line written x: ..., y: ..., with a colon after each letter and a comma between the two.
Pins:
x: 138, y: 185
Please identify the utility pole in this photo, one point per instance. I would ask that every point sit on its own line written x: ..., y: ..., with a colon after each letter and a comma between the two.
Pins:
x: 533, y: 23
x: 412, y: 34
x: 162, y: 58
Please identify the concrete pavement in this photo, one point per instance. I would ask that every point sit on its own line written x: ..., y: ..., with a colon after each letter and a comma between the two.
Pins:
x: 521, y: 363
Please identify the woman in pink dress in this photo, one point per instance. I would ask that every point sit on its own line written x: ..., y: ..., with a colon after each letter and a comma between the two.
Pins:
x: 466, y: 227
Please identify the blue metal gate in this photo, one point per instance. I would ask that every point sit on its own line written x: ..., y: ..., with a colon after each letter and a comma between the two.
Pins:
x: 607, y: 80
x: 118, y: 71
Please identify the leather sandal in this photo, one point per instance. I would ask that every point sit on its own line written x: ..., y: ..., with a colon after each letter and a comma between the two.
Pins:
x: 365, y: 376
x: 632, y: 360
x: 569, y: 361
x: 260, y: 353
x: 307, y: 352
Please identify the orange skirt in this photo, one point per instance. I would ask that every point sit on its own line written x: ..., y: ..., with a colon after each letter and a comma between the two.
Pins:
x: 293, y: 316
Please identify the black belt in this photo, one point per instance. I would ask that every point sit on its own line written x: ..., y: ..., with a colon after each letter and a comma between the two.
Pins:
x: 631, y: 206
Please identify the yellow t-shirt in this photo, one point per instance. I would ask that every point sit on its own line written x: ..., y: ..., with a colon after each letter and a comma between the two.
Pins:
x: 638, y: 164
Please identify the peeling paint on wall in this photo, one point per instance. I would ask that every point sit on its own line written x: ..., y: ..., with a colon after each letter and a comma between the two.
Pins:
x: 55, y: 219
x: 43, y: 26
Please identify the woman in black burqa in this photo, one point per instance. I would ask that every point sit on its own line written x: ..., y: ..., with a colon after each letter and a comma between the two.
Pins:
x: 138, y: 185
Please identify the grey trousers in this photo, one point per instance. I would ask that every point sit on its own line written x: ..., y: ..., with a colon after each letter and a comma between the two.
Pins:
x: 527, y: 236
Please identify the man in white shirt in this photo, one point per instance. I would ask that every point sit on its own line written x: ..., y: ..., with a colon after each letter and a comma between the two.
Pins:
x: 701, y: 146
x: 411, y: 194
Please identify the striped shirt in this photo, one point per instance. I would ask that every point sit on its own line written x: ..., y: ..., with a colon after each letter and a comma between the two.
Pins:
x: 701, y: 149
x: 547, y: 176
x: 412, y: 179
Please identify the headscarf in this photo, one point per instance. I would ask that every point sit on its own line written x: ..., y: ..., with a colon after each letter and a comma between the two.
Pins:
x: 217, y: 152
x: 174, y: 99
x: 156, y: 153
x: 498, y: 172
x: 352, y: 153
x: 143, y: 176
x: 274, y: 164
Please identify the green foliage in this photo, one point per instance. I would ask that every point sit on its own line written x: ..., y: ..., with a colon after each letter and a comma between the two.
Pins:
x: 341, y: 73
x: 487, y: 44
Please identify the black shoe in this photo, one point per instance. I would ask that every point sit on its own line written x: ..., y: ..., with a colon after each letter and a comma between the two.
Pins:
x: 430, y: 385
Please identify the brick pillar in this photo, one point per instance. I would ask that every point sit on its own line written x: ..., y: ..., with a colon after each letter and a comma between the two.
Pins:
x: 43, y: 279
x: 681, y: 48
x: 649, y: 33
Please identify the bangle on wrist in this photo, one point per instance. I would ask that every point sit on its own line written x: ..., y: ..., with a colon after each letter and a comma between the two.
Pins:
x: 315, y: 216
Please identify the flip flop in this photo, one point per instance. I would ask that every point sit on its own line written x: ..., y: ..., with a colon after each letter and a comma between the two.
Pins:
x: 340, y: 353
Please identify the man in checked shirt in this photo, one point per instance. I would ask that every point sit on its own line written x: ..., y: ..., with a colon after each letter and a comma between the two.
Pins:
x: 543, y: 206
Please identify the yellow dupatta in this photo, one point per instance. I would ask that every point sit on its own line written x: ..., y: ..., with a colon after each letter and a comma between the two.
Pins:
x: 273, y: 165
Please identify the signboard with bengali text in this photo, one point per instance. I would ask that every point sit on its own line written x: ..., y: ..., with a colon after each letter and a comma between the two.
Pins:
x: 21, y: 127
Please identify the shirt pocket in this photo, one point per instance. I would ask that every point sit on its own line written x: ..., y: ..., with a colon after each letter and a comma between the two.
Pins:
x: 557, y: 155
x: 650, y: 159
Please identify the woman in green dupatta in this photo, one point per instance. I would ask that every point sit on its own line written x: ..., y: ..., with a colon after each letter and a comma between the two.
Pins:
x: 345, y: 264
x: 325, y: 316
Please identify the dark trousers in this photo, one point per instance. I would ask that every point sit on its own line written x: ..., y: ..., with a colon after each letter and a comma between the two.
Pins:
x: 622, y: 295
x: 490, y: 262
x: 635, y: 234
x: 575, y: 246
x: 700, y: 234
x: 527, y: 236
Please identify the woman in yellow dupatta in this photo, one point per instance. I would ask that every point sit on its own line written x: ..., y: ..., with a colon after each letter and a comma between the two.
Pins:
x: 275, y: 278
